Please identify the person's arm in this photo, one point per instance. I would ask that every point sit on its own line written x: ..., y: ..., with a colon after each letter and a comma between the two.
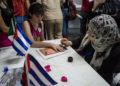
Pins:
x: 42, y: 27
x: 61, y: 2
x: 38, y: 44
x: 3, y: 26
x: 85, y: 41
x: 66, y: 42
x: 27, y: 4
x: 79, y: 42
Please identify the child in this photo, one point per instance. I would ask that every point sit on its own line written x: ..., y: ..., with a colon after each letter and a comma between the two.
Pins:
x: 33, y: 27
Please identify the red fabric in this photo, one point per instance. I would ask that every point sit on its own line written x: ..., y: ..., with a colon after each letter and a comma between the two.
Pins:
x: 86, y: 5
x: 4, y: 41
x: 24, y: 77
x: 35, y: 32
x: 18, y: 7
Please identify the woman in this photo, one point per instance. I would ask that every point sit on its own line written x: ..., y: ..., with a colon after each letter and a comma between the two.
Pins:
x: 34, y: 30
x: 105, y: 39
x: 104, y: 36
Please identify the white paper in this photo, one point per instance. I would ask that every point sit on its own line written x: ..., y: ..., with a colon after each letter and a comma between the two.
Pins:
x: 53, y: 55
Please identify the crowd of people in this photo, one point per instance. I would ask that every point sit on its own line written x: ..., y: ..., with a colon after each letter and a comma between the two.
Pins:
x: 48, y: 19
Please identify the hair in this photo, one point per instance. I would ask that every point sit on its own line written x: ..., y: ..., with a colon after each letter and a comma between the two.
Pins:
x: 36, y: 8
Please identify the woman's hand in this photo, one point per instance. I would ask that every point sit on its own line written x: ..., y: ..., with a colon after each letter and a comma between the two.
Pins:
x: 66, y: 42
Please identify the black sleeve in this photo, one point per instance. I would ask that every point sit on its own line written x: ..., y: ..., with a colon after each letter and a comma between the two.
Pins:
x: 76, y: 42
x: 111, y: 64
x: 10, y: 4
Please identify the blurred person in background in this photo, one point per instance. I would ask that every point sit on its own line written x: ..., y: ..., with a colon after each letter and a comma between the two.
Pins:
x: 69, y: 14
x: 53, y: 18
x: 86, y: 13
x: 110, y: 7
x: 20, y: 8
x: 4, y: 41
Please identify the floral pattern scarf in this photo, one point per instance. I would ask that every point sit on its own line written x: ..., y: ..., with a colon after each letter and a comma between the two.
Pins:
x: 104, y: 30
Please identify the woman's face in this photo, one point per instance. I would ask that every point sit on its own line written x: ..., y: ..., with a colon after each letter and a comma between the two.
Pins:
x: 91, y: 35
x: 95, y: 39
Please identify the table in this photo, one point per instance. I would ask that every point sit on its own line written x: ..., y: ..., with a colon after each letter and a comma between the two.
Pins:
x: 79, y: 72
x: 8, y: 58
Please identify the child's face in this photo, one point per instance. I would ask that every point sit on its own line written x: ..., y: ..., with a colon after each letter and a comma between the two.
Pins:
x: 38, y: 18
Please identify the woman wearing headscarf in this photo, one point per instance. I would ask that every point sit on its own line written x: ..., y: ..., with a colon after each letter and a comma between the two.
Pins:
x: 104, y: 35
x: 105, y: 38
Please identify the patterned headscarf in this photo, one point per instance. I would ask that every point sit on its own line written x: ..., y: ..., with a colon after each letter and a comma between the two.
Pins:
x: 105, y: 33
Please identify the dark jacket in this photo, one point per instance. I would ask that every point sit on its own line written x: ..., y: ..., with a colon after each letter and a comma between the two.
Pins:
x: 111, y: 64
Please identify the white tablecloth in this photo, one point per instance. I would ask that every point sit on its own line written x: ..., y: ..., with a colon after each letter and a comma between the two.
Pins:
x: 14, y: 63
x: 78, y: 72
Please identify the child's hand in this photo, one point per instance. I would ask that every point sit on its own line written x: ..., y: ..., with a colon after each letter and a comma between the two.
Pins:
x: 56, y: 47
x: 66, y: 42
